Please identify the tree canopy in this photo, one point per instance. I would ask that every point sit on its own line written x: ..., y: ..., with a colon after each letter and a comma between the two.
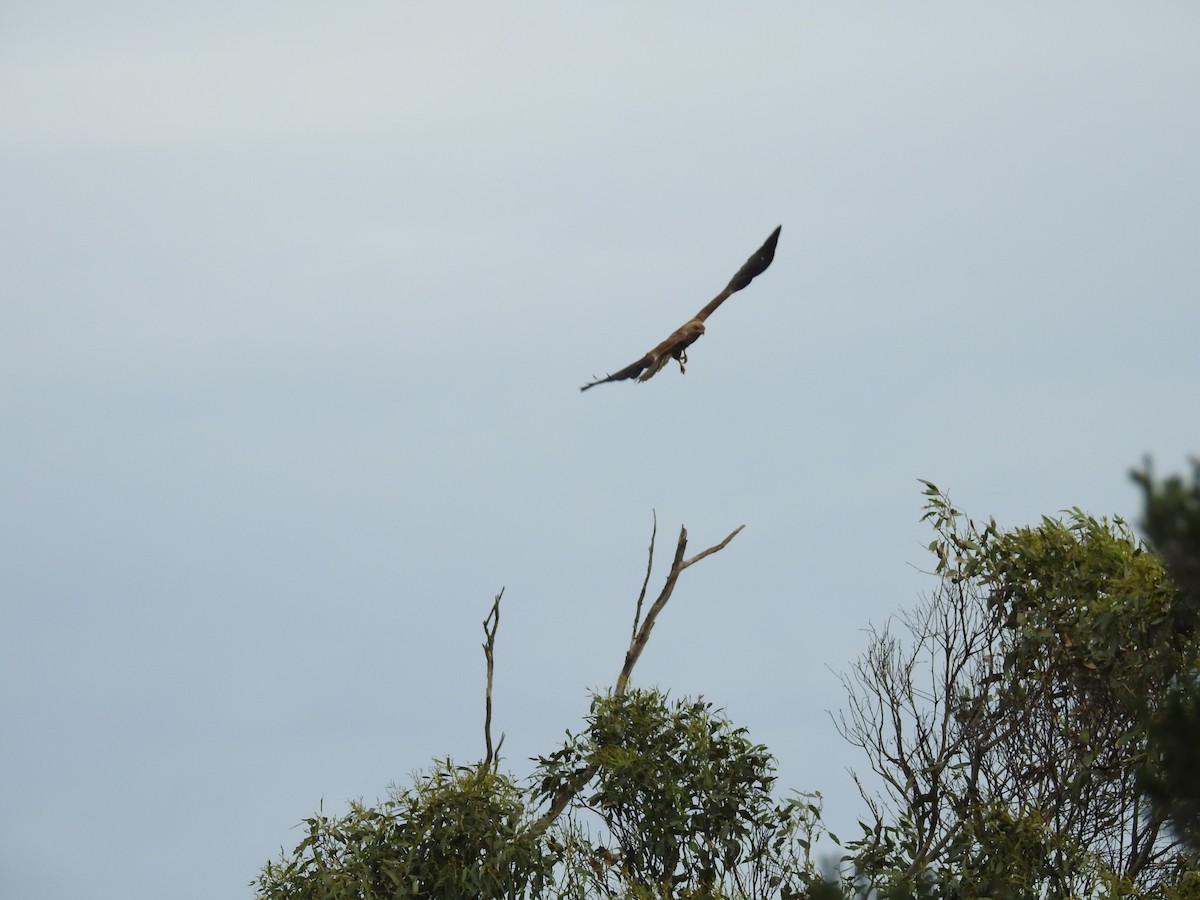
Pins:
x: 1172, y: 523
x: 1032, y: 722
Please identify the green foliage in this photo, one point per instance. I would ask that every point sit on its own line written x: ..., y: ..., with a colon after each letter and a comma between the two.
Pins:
x: 1077, y: 596
x: 1088, y: 605
x: 685, y: 801
x: 681, y: 797
x: 1012, y: 767
x: 996, y: 853
x: 1083, y: 603
x: 1171, y: 775
x: 1171, y: 520
x: 457, y: 833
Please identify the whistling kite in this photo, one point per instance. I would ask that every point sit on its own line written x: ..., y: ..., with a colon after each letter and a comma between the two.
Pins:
x: 676, y: 345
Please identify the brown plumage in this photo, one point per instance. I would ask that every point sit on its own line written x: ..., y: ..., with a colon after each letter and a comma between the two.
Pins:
x: 675, y: 347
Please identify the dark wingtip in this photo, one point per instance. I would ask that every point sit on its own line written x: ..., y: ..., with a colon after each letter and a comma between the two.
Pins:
x: 756, y: 264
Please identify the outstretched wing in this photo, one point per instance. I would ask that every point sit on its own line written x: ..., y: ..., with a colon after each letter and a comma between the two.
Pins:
x: 685, y: 336
x: 633, y: 370
x: 649, y: 365
x: 753, y: 267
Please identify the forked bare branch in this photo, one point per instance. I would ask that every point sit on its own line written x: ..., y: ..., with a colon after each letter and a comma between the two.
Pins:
x: 637, y: 643
x: 642, y: 634
x: 490, y: 624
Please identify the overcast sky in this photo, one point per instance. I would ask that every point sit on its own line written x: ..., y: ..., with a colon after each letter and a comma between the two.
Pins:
x: 295, y: 304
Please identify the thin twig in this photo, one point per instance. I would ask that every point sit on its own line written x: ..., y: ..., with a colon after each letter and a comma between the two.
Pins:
x: 637, y: 616
x: 713, y: 549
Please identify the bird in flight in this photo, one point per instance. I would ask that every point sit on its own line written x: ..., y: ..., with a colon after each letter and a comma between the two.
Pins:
x: 675, y: 347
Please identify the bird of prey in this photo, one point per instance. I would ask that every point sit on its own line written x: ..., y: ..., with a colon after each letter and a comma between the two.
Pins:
x: 675, y: 347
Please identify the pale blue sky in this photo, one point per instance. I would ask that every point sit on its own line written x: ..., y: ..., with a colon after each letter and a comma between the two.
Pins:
x: 296, y: 303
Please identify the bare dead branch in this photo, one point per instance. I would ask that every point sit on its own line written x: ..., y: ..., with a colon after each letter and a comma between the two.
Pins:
x: 637, y: 616
x: 637, y: 644
x: 713, y: 549
x: 490, y: 624
x: 642, y: 635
